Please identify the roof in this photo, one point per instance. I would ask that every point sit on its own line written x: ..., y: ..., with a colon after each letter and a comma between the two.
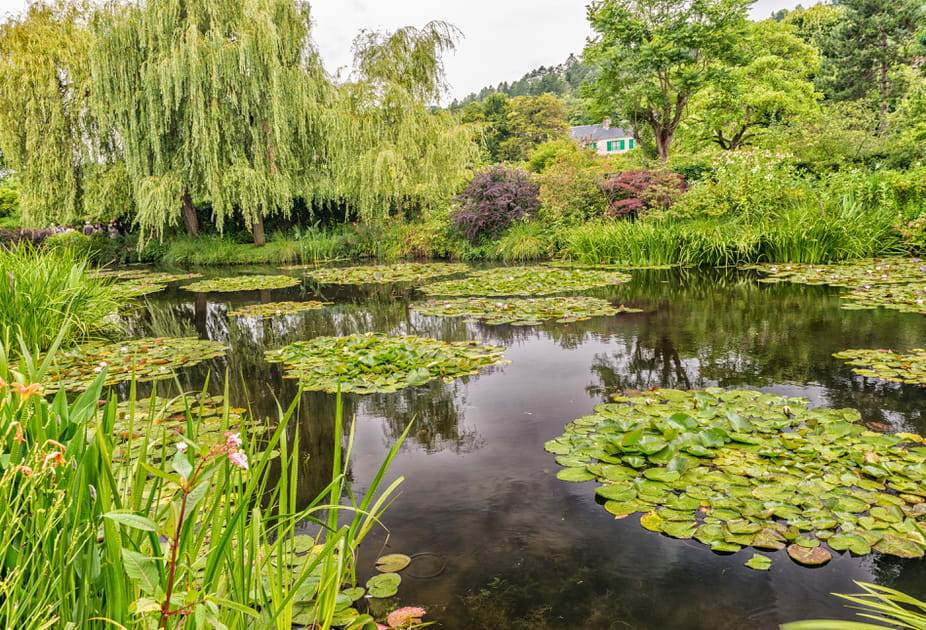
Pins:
x: 597, y: 133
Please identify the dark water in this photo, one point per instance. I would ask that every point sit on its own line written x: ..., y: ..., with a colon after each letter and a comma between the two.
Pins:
x: 498, y: 541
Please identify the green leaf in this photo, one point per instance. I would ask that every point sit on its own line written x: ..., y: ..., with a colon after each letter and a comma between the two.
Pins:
x: 143, y: 570
x: 759, y: 562
x: 134, y: 521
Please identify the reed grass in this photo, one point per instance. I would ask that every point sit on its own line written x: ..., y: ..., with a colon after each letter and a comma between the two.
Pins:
x: 45, y: 292
x: 191, y: 539
x: 523, y: 242
x: 886, y: 605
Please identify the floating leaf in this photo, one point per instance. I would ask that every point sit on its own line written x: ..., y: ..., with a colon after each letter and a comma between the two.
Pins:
x: 242, y: 283
x: 520, y: 312
x: 385, y: 274
x: 759, y: 562
x: 897, y: 546
x: 143, y: 359
x: 275, y: 309
x: 811, y: 556
x: 392, y: 563
x: 374, y: 362
x: 909, y: 367
x: 526, y: 281
x: 383, y: 585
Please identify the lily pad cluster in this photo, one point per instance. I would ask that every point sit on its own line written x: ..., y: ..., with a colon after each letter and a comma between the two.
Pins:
x: 136, y: 288
x: 538, y: 280
x: 887, y: 365
x: 274, y: 309
x: 242, y: 283
x: 740, y: 468
x: 910, y: 298
x: 372, y: 362
x: 851, y: 274
x: 522, y: 312
x: 385, y: 274
x: 142, y: 359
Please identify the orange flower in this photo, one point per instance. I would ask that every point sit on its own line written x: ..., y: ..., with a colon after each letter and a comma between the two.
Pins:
x: 3, y: 383
x: 26, y: 390
x: 53, y: 459
x: 19, y: 437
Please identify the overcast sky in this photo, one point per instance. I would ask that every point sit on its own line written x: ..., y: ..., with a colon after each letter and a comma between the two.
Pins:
x: 502, y: 39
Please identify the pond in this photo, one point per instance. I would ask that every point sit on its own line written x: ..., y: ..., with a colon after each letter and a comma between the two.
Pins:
x: 497, y: 540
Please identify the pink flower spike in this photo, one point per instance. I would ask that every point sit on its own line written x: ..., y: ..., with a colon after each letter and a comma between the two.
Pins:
x: 403, y: 616
x: 232, y: 440
x: 239, y: 459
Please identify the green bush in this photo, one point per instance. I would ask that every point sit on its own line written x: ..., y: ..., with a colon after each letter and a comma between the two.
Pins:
x: 524, y: 241
x: 570, y: 189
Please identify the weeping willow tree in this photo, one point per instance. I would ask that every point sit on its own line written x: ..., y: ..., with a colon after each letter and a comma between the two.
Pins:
x: 394, y: 152
x: 217, y: 100
x: 66, y: 163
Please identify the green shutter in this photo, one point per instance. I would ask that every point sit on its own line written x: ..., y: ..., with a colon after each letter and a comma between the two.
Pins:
x: 620, y: 145
x: 594, y: 145
x: 631, y: 143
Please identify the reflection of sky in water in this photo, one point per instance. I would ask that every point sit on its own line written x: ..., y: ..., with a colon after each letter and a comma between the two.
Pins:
x: 513, y: 546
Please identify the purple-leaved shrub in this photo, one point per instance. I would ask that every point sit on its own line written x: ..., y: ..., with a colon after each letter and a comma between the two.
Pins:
x: 493, y: 200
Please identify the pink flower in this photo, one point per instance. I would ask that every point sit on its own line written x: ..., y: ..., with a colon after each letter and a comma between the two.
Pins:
x: 232, y: 440
x: 239, y: 459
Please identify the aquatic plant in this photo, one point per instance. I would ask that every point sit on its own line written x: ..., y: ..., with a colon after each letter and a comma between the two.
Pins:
x: 43, y: 293
x: 855, y: 274
x: 526, y: 281
x: 741, y: 468
x: 886, y: 365
x: 140, y: 359
x: 523, y: 312
x: 274, y: 309
x: 909, y: 298
x: 385, y: 274
x: 242, y: 283
x: 372, y: 362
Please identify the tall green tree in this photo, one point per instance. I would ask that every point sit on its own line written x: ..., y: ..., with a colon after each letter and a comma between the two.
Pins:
x: 531, y: 121
x: 655, y: 55
x: 492, y: 115
x: 773, y: 87
x: 223, y: 100
x: 394, y: 152
x: 49, y: 134
x: 872, y: 39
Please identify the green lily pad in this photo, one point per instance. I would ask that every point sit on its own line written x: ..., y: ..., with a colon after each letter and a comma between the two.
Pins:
x: 242, y: 283
x: 374, y: 362
x: 392, y: 563
x: 764, y: 487
x: 759, y: 562
x: 520, y: 312
x: 384, y: 585
x: 810, y: 556
x: 142, y: 359
x: 385, y: 274
x: 526, y: 281
x: 275, y: 309
x: 886, y: 365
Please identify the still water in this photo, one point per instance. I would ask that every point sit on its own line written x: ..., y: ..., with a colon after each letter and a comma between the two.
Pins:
x: 498, y: 541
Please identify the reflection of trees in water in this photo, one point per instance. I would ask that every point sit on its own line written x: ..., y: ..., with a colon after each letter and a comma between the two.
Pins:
x: 725, y: 328
x: 437, y: 410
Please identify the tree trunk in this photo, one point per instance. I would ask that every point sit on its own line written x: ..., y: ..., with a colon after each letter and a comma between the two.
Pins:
x: 190, y: 222
x: 257, y: 227
x: 663, y: 142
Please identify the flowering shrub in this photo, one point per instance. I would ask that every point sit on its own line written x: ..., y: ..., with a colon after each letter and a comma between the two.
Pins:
x: 493, y: 200
x: 745, y: 183
x: 632, y: 192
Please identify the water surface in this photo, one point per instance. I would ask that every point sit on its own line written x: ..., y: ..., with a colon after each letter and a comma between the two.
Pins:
x: 498, y: 541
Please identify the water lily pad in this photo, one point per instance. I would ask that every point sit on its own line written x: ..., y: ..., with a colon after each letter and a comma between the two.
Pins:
x: 810, y: 556
x: 384, y: 274
x: 384, y: 585
x: 374, y: 362
x: 526, y: 281
x: 275, y: 309
x: 143, y: 359
x: 759, y: 562
x: 392, y: 563
x: 520, y: 312
x: 242, y: 283
x: 908, y: 367
x: 789, y: 474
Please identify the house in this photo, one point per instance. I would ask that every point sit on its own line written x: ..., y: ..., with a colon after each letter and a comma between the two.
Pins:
x: 603, y: 138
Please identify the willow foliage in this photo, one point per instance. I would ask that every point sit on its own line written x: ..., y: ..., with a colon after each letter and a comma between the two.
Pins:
x: 213, y: 99
x: 396, y: 152
x: 66, y: 164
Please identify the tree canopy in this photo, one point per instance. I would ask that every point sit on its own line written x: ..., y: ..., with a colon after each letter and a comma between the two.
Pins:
x: 655, y: 55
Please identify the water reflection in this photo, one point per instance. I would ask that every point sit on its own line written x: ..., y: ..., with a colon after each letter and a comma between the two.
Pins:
x: 517, y: 548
